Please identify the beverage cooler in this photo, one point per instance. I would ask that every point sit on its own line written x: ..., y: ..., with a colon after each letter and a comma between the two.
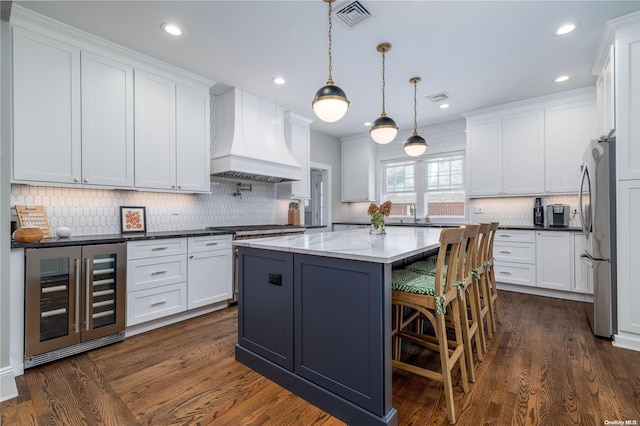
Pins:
x: 74, y: 300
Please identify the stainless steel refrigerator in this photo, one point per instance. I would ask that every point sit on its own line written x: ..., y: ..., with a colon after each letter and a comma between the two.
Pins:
x: 597, y: 211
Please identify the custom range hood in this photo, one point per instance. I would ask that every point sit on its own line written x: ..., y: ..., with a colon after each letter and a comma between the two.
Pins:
x: 250, y: 143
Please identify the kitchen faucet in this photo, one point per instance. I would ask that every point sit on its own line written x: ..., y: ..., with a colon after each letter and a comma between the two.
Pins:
x: 413, y: 207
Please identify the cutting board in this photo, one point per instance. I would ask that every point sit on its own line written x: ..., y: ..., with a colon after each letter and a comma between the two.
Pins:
x: 34, y: 215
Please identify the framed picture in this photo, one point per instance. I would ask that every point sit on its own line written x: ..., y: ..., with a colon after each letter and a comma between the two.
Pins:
x: 132, y: 219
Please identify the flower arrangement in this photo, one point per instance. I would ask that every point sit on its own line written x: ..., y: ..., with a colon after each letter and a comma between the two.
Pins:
x: 378, y: 213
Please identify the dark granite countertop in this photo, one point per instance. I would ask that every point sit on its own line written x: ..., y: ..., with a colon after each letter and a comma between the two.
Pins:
x: 437, y: 225
x: 113, y: 238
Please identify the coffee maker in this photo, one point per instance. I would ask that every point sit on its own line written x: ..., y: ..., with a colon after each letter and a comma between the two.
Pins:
x: 538, y: 213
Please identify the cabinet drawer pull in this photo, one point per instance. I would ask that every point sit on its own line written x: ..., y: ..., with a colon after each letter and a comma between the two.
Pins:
x: 505, y: 235
x: 164, y: 271
x: 212, y: 244
x: 162, y: 302
x: 505, y: 251
x: 505, y: 272
x: 159, y: 248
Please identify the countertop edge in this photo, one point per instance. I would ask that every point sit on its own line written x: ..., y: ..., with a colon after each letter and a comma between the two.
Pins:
x: 114, y: 238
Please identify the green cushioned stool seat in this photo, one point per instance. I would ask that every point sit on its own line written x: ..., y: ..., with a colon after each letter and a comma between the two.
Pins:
x: 411, y: 282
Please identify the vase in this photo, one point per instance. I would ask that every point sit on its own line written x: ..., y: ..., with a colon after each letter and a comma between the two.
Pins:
x: 377, y: 225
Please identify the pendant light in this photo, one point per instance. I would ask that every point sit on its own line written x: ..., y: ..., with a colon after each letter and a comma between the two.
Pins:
x: 415, y: 144
x: 384, y: 129
x: 330, y: 103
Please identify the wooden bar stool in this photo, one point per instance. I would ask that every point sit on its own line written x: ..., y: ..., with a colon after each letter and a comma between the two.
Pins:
x: 483, y: 287
x: 433, y: 297
x: 470, y: 298
x: 492, y: 288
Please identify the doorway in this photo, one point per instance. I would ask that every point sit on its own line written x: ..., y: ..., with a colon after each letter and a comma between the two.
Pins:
x: 317, y: 209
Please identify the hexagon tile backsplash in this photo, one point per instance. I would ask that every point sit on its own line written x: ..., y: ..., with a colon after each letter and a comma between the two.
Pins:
x: 96, y: 211
x: 518, y: 211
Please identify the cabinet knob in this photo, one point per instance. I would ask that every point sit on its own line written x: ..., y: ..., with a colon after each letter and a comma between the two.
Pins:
x: 76, y: 180
x: 86, y: 180
x: 173, y: 186
x: 191, y: 257
x: 179, y: 186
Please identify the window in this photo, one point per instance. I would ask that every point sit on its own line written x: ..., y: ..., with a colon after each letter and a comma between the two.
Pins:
x: 434, y: 184
x: 445, y: 187
x: 399, y: 187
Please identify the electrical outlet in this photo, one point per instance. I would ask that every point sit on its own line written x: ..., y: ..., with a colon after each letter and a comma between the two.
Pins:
x: 477, y: 210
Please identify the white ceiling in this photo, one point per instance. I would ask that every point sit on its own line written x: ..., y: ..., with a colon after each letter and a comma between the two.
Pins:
x: 481, y: 53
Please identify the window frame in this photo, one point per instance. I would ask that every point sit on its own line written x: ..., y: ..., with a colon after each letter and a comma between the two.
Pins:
x: 421, y: 189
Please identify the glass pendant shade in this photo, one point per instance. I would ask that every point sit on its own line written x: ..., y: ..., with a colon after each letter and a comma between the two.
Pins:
x: 383, y: 130
x: 415, y: 145
x: 330, y: 103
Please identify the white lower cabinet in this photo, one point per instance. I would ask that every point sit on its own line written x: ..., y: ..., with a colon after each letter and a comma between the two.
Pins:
x: 544, y: 260
x: 156, y: 282
x: 173, y: 275
x: 209, y: 270
x: 514, y: 252
x: 553, y: 260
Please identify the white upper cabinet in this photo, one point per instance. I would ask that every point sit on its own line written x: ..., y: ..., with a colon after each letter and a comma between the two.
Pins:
x: 358, y: 169
x: 531, y: 147
x: 107, y: 121
x: 484, y: 147
x: 523, y: 152
x: 628, y: 103
x: 568, y: 130
x: 155, y: 148
x: 172, y: 135
x: 298, y: 137
x: 193, y: 141
x: 89, y: 113
x: 605, y: 90
x: 46, y: 109
x: 506, y: 154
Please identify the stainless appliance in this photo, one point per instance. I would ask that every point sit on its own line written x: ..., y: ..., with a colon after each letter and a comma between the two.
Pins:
x: 538, y: 213
x: 596, y: 208
x: 249, y: 232
x: 74, y: 300
x: 558, y: 214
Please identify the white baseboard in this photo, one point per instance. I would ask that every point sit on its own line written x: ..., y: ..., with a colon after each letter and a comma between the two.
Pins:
x: 161, y: 322
x: 578, y: 297
x: 627, y: 341
x: 8, y: 388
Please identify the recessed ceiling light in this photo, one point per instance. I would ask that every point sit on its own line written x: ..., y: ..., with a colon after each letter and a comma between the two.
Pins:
x: 562, y: 78
x: 279, y: 80
x: 172, y: 29
x: 444, y: 106
x: 367, y: 123
x: 566, y: 28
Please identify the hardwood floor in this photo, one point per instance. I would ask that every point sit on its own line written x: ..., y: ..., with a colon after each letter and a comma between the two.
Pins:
x: 544, y: 367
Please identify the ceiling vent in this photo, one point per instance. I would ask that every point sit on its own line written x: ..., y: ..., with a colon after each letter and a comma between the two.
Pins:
x: 438, y: 97
x: 352, y: 14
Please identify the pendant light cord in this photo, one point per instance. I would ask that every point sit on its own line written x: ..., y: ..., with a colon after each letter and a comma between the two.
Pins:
x: 415, y: 108
x: 384, y: 114
x: 330, y: 80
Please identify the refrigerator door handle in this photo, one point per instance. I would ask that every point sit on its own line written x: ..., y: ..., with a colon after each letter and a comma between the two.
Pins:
x: 584, y: 176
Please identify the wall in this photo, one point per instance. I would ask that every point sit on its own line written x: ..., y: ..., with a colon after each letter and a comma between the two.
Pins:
x: 327, y: 149
x: 7, y: 382
x: 96, y: 211
x: 517, y: 210
x: 442, y: 137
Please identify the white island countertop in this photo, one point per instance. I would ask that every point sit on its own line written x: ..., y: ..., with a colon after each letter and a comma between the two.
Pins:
x: 356, y: 244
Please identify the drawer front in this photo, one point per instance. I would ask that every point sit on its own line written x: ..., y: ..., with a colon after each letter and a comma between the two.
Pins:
x: 514, y: 236
x: 150, y: 273
x: 154, y: 248
x: 522, y: 253
x: 147, y: 305
x: 208, y: 243
x: 515, y: 273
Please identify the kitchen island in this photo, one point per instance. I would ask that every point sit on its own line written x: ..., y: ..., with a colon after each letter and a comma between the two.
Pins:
x: 315, y: 315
